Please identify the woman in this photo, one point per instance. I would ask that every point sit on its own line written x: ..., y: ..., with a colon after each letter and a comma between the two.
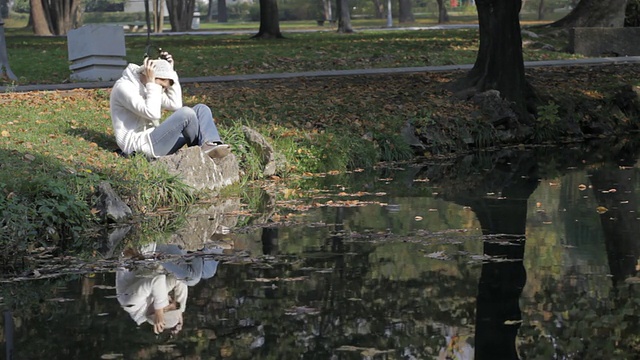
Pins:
x: 136, y: 104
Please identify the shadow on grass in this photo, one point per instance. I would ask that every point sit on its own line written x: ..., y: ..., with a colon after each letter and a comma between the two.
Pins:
x: 103, y: 140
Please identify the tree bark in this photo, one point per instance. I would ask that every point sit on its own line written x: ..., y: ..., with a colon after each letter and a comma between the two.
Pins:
x: 158, y: 15
x: 405, y: 14
x: 595, y: 13
x: 344, y: 17
x: 499, y: 64
x: 378, y: 8
x: 39, y: 18
x: 181, y: 14
x: 222, y: 11
x: 541, y: 10
x: 443, y: 16
x: 328, y: 13
x: 269, y: 21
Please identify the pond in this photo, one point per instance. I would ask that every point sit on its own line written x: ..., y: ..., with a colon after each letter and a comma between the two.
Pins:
x: 519, y: 253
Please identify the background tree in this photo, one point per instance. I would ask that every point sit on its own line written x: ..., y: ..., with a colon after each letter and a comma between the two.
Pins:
x: 595, y: 13
x: 405, y: 14
x: 344, y: 17
x: 55, y: 17
x: 499, y: 64
x: 223, y: 17
x: 158, y: 15
x: 378, y: 9
x: 443, y: 16
x: 269, y: 20
x: 181, y: 14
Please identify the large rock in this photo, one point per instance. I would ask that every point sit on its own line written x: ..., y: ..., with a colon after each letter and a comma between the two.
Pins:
x: 110, y: 206
x: 199, y: 171
x: 272, y: 162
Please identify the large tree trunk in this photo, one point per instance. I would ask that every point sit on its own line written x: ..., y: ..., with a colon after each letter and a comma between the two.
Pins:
x: 39, y: 18
x: 499, y: 65
x: 55, y: 17
x: 222, y: 11
x: 269, y: 20
x: 181, y: 14
x: 595, y: 13
x: 344, y: 17
x: 443, y: 16
x: 405, y: 14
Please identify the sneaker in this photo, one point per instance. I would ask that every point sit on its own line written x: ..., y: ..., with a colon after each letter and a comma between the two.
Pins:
x: 216, y: 151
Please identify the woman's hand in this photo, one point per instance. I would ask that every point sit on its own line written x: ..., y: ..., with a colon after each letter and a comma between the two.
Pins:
x: 158, y: 324
x: 165, y: 55
x: 148, y: 70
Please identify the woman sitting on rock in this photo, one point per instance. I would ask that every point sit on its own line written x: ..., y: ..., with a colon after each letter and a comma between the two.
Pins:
x: 136, y: 104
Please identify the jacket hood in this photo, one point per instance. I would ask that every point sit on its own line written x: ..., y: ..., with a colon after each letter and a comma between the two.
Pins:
x: 132, y: 73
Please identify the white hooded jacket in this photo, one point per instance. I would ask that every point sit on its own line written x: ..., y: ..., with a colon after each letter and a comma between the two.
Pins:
x: 136, y: 108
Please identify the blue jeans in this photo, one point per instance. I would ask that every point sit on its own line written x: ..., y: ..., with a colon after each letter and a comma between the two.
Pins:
x: 190, y: 126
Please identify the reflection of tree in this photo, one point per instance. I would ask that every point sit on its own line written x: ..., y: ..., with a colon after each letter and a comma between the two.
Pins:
x: 614, y: 190
x: 499, y: 200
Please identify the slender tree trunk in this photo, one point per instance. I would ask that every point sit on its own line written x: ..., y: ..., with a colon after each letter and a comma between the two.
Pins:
x: 443, y: 16
x: 328, y: 13
x: 222, y: 11
x: 541, y: 10
x: 405, y: 14
x: 39, y: 17
x: 344, y: 17
x: 595, y: 13
x: 378, y: 9
x: 158, y: 15
x: 269, y: 20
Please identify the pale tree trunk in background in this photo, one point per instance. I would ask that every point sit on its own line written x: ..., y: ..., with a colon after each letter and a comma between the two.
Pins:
x: 210, y: 11
x: 595, y: 13
x: 39, y: 18
x: 328, y: 13
x: 344, y: 17
x: 158, y: 15
x: 222, y: 11
x: 405, y: 14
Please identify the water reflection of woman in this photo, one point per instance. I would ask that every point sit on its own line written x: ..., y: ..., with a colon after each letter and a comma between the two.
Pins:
x: 152, y: 296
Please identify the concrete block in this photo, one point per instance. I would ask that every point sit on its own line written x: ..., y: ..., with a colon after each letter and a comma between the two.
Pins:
x: 605, y: 42
x: 96, y: 52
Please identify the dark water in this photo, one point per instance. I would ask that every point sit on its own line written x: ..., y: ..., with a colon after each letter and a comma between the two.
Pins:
x: 527, y: 254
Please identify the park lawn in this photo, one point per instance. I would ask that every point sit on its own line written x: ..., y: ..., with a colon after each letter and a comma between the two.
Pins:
x: 57, y: 146
x: 44, y: 60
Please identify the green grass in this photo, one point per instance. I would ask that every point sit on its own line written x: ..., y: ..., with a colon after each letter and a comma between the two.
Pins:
x: 42, y: 60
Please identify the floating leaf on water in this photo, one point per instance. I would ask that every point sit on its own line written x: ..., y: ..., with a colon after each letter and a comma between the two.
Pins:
x: 111, y: 356
x: 513, y: 322
x: 582, y: 187
x: 418, y: 218
x: 601, y: 209
x: 632, y: 280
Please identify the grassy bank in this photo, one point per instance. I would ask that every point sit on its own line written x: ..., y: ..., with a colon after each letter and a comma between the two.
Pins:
x: 57, y: 146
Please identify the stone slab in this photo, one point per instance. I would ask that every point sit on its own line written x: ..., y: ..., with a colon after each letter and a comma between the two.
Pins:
x: 612, y: 42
